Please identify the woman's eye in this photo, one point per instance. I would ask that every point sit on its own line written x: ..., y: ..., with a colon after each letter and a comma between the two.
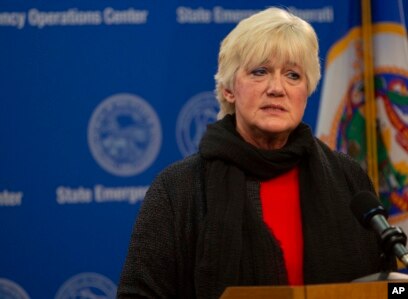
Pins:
x: 259, y: 71
x: 293, y: 75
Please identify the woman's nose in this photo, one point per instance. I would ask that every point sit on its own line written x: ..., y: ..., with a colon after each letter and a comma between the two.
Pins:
x: 275, y: 85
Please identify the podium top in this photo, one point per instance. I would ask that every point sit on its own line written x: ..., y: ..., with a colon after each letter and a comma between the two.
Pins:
x: 353, y: 290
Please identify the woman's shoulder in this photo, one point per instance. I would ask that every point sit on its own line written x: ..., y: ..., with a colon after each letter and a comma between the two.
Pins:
x: 337, y: 155
x: 183, y: 173
x: 351, y: 169
x: 187, y: 166
x: 340, y: 157
x: 180, y: 186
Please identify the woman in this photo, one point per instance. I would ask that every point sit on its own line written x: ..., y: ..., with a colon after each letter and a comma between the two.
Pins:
x: 263, y: 202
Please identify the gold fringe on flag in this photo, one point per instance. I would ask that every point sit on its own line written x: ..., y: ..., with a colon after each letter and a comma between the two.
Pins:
x: 369, y: 94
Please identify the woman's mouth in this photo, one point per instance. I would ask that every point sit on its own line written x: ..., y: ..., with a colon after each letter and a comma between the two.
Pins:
x: 274, y: 108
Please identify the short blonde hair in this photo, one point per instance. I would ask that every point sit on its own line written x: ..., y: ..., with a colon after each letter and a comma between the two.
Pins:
x: 254, y: 40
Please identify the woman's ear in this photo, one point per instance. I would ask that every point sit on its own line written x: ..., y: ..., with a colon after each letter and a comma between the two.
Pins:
x: 228, y: 95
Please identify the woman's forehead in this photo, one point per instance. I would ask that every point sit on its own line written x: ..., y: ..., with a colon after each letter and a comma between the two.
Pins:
x: 275, y: 60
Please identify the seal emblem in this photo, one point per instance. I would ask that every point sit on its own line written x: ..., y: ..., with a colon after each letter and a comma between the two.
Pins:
x: 87, y: 285
x: 124, y: 134
x: 11, y: 290
x: 192, y: 121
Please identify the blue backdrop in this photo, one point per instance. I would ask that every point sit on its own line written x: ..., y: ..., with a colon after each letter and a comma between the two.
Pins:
x: 96, y: 98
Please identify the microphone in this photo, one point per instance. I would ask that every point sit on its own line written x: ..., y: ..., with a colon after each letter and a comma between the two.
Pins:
x: 371, y: 214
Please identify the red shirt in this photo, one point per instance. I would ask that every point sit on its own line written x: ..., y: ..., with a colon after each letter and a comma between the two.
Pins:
x: 281, y: 212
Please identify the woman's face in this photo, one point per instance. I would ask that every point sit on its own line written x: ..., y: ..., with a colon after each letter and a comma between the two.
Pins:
x: 269, y: 102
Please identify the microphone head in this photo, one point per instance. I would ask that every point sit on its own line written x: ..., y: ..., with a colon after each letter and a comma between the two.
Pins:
x: 365, y: 205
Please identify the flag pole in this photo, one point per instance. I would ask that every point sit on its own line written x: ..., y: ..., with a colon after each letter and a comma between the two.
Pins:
x: 369, y: 94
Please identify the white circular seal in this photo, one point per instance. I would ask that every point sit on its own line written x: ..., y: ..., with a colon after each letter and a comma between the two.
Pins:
x: 11, y: 290
x: 87, y: 285
x: 124, y: 134
x: 192, y: 121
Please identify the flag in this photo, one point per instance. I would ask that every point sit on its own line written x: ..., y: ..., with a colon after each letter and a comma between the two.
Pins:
x: 391, y: 91
x: 343, y: 109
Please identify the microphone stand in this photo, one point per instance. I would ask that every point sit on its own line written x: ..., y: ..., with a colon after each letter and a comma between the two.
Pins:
x: 393, y: 241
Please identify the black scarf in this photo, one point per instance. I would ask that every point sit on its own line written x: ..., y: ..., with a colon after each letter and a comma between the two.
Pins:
x: 235, y: 246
